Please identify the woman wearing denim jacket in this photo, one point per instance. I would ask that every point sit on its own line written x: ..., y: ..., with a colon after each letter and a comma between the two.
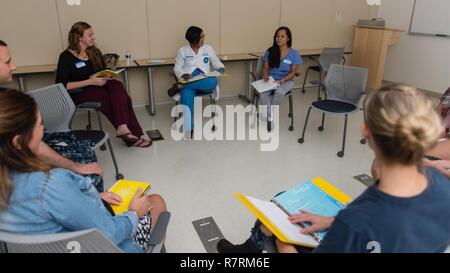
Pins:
x: 36, y: 198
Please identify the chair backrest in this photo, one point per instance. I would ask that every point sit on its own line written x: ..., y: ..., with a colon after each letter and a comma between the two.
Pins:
x: 111, y: 60
x: 56, y: 106
x: 330, y: 56
x: 346, y: 83
x: 259, y: 67
x: 87, y: 241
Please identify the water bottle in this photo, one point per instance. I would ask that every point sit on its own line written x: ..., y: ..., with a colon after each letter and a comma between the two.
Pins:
x: 128, y: 57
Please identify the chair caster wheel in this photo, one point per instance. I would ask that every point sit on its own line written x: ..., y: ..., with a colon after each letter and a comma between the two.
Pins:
x: 363, y: 141
x: 340, y: 154
x: 320, y: 129
x: 88, y: 127
x: 103, y: 148
x: 119, y: 176
x: 301, y: 140
x: 213, y: 128
x: 291, y: 128
x: 303, y: 91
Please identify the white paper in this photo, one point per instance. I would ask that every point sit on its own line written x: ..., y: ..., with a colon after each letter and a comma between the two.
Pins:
x: 280, y: 219
x: 262, y: 86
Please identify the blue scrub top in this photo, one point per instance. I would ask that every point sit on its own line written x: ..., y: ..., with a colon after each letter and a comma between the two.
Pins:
x: 285, y: 65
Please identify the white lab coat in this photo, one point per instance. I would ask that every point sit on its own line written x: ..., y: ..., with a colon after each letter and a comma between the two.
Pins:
x: 187, y: 62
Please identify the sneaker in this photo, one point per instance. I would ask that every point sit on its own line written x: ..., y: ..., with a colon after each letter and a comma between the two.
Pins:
x: 224, y: 246
x: 173, y: 90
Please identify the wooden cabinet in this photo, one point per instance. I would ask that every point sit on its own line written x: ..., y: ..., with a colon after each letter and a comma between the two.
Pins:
x: 370, y: 50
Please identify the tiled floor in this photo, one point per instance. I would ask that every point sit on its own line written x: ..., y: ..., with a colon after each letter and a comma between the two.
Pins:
x: 197, y: 178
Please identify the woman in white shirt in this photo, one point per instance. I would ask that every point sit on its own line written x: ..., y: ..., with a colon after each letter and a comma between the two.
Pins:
x: 192, y: 60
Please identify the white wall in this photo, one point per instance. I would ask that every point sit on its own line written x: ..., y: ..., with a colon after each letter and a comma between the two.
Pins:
x: 419, y: 60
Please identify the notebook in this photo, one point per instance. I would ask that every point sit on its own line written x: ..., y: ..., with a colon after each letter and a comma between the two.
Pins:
x: 109, y: 73
x: 316, y: 196
x: 262, y: 86
x: 127, y: 190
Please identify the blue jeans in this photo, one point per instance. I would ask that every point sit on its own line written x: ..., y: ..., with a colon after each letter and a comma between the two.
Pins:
x: 188, y: 93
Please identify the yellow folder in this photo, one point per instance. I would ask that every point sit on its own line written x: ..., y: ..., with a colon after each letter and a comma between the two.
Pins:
x: 320, y: 183
x: 127, y: 190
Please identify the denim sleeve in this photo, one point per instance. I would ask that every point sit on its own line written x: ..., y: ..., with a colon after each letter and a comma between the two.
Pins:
x: 76, y: 205
x: 341, y: 238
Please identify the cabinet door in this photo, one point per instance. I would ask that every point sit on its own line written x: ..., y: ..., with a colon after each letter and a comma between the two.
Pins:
x: 309, y: 21
x: 346, y: 14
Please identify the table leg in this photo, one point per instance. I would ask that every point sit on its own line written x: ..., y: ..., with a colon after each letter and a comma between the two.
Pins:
x: 126, y: 81
x: 151, y: 107
x: 247, y: 97
x: 21, y: 84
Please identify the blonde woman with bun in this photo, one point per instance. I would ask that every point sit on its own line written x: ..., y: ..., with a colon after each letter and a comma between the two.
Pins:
x: 408, y: 208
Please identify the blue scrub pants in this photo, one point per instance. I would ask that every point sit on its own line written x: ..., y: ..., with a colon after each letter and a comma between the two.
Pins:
x: 188, y: 93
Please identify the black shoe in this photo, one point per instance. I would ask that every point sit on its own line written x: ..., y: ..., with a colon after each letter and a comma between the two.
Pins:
x: 173, y: 90
x: 224, y: 246
x: 269, y: 126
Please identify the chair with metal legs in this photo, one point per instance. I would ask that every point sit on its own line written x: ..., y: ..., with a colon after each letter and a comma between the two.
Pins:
x: 328, y: 57
x: 57, y: 110
x: 344, y: 85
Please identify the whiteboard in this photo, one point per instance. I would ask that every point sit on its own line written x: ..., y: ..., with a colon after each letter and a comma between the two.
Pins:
x: 431, y: 17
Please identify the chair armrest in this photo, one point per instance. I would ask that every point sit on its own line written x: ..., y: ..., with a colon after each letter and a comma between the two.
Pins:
x: 89, y: 106
x: 74, y: 91
x: 159, y: 231
x: 313, y: 58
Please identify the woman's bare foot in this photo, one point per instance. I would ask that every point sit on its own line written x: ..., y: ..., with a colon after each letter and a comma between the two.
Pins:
x: 124, y: 133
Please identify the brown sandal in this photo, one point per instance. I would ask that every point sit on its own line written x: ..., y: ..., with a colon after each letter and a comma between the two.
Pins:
x: 140, y: 143
x: 129, y: 137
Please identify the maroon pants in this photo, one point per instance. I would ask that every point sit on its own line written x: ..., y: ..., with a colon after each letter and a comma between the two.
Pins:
x: 116, y: 104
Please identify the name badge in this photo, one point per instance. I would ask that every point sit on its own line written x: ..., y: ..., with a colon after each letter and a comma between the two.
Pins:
x: 286, y: 61
x: 80, y: 64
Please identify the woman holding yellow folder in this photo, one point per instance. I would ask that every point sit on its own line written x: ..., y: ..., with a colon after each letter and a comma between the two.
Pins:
x: 37, y: 198
x: 407, y: 209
